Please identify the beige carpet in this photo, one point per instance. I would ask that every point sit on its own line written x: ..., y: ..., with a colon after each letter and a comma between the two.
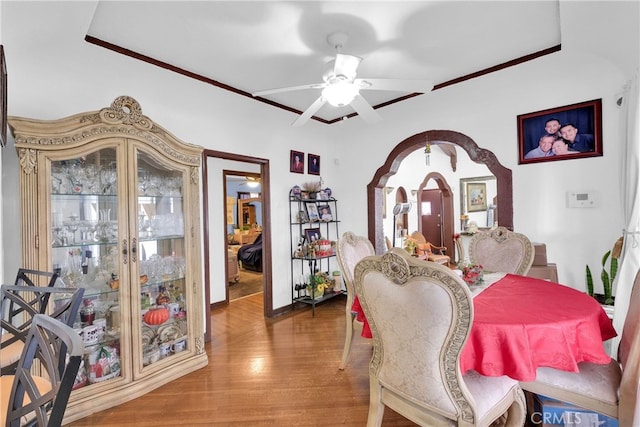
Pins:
x: 250, y: 283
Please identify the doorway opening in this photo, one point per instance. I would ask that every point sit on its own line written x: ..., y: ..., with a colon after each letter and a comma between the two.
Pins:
x: 435, y: 211
x: 215, y: 242
x: 243, y: 207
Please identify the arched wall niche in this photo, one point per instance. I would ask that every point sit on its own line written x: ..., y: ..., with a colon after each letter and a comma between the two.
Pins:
x: 409, y: 145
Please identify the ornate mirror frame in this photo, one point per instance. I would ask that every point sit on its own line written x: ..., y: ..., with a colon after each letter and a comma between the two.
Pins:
x: 404, y: 148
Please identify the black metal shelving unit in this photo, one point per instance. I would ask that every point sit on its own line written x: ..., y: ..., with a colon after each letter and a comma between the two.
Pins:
x: 306, y: 219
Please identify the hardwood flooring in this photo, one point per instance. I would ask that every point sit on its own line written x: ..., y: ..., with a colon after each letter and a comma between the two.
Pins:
x: 278, y: 372
x: 250, y: 283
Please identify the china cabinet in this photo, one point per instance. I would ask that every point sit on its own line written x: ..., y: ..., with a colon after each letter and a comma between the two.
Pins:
x: 314, y: 233
x: 110, y: 200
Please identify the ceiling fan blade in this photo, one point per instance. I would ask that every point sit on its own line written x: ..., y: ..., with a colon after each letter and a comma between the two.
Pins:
x: 317, y: 104
x: 364, y: 109
x: 288, y: 89
x: 346, y: 65
x: 420, y: 86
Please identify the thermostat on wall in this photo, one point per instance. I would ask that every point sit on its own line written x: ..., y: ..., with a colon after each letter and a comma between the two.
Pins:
x: 581, y: 199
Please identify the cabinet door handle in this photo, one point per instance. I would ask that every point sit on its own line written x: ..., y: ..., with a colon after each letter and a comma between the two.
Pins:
x: 125, y: 251
x: 134, y: 250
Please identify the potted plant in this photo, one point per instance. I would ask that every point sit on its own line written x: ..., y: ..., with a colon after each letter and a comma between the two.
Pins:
x: 606, y: 275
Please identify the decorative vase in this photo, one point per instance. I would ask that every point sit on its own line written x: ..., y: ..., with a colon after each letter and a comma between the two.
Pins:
x: 313, y: 194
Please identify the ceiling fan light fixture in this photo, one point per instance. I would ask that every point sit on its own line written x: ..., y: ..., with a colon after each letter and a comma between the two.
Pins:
x: 340, y: 94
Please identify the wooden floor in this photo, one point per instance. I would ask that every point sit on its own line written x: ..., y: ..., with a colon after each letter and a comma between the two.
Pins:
x: 281, y: 372
x: 249, y: 283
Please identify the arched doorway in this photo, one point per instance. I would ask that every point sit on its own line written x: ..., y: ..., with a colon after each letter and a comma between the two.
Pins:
x: 446, y: 233
x: 409, y: 145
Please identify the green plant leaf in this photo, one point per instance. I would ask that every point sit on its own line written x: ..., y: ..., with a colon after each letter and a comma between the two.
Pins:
x: 589, y: 282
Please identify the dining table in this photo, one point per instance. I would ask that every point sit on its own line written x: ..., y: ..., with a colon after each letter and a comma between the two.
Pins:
x: 521, y: 323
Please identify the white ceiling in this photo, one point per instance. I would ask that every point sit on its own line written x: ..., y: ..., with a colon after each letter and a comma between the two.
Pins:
x: 257, y: 45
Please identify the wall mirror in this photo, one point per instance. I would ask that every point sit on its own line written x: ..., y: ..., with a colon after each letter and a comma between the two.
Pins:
x: 478, y: 201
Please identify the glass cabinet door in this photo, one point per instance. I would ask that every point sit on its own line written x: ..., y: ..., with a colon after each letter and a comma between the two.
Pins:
x: 160, y: 255
x: 84, y: 252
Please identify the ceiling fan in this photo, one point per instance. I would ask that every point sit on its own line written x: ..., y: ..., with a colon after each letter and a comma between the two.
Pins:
x: 251, y: 181
x: 341, y: 87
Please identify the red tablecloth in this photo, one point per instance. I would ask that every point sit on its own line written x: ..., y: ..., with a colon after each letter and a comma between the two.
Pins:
x: 357, y: 308
x: 521, y: 323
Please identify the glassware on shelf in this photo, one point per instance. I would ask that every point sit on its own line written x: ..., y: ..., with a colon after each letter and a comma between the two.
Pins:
x: 91, y: 179
x: 108, y: 177
x: 71, y: 225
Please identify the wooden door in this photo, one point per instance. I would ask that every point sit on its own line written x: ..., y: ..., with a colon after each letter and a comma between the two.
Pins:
x: 431, y: 218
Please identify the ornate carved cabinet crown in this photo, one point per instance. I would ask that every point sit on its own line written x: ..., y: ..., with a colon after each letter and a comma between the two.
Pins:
x: 110, y: 200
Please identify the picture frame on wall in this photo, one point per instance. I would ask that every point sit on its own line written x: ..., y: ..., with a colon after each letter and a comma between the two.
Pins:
x: 561, y: 133
x: 3, y: 98
x: 476, y: 197
x: 313, y: 164
x: 296, y: 161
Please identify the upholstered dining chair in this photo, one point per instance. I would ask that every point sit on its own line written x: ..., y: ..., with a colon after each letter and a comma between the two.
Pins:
x: 429, y: 251
x: 19, y: 304
x: 40, y: 400
x: 502, y: 250
x: 421, y: 314
x: 351, y: 249
x: 610, y: 389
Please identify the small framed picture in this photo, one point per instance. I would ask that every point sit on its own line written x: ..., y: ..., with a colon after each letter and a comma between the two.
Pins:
x: 303, y: 216
x: 325, y: 213
x: 476, y: 197
x: 312, y: 212
x: 314, y: 164
x: 312, y: 234
x: 296, y: 162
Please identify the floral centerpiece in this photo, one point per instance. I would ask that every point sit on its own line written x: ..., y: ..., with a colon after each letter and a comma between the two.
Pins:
x: 472, y: 274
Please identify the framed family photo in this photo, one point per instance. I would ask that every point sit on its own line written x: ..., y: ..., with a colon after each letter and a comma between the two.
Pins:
x: 312, y: 212
x: 325, y: 213
x: 476, y: 197
x: 561, y: 133
x: 313, y: 165
x: 296, y: 161
x: 312, y: 234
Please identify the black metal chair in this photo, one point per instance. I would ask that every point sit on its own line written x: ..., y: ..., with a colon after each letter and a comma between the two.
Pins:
x: 41, y: 400
x: 27, y: 277
x: 19, y: 304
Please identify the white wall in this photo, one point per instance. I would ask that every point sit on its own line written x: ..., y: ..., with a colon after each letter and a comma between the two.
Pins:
x: 54, y: 73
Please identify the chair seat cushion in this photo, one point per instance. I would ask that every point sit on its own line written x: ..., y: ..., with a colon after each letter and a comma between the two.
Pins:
x: 11, y: 353
x: 488, y: 391
x: 6, y: 382
x: 594, y: 387
x: 598, y: 382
